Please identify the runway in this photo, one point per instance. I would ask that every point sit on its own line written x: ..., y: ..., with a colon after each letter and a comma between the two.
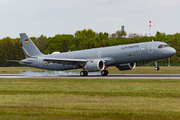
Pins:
x: 94, y: 76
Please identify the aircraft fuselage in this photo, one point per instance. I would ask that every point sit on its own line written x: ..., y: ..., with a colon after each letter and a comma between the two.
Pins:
x: 113, y: 55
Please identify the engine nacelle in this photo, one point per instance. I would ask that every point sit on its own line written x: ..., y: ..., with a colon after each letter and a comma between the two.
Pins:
x: 96, y: 65
x: 126, y: 66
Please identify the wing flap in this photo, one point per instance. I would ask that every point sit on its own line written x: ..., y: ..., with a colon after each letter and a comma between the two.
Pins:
x: 64, y: 61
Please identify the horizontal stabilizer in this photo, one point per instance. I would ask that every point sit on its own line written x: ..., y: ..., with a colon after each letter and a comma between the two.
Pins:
x: 22, y: 61
x: 12, y: 61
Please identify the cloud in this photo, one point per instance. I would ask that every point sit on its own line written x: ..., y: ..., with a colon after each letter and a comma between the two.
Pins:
x: 111, y: 5
x: 105, y: 1
x: 60, y: 22
x: 4, y: 1
x: 148, y: 4
x: 112, y: 19
x: 159, y: 3
x: 38, y: 23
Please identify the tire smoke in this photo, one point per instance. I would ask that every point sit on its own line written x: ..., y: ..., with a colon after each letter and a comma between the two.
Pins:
x: 54, y: 73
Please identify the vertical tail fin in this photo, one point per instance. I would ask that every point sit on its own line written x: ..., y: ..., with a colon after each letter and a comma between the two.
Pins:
x: 29, y: 46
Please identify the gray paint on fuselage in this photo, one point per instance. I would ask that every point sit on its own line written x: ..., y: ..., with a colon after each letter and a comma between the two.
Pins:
x: 112, y: 55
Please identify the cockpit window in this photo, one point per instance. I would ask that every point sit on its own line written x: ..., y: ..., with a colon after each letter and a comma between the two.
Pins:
x: 163, y: 46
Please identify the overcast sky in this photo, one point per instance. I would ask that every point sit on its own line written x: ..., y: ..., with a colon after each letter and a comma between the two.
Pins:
x: 51, y: 17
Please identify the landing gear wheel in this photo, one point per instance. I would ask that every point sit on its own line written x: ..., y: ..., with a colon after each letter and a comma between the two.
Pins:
x: 83, y: 73
x: 157, y: 68
x: 107, y: 72
x: 104, y: 72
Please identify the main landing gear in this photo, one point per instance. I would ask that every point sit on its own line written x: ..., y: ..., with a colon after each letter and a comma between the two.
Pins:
x: 156, y: 66
x: 83, y: 73
x: 104, y: 72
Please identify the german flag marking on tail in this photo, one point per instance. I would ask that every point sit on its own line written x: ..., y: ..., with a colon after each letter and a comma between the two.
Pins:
x: 26, y: 41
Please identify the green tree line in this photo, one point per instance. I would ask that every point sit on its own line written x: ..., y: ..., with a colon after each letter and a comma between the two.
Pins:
x: 10, y: 49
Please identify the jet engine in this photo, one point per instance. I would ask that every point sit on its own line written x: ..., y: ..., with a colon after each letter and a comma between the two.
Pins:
x: 96, y: 65
x: 126, y: 66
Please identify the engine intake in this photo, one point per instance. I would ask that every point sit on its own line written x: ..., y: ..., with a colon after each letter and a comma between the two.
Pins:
x: 96, y: 65
x: 126, y: 66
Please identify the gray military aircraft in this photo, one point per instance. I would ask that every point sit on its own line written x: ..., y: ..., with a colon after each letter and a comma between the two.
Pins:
x: 124, y: 57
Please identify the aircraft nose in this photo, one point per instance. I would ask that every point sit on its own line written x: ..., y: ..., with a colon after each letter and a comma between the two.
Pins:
x: 172, y: 51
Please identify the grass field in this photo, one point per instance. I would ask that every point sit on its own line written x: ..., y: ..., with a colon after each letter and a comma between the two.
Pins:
x: 43, y: 99
x: 112, y: 70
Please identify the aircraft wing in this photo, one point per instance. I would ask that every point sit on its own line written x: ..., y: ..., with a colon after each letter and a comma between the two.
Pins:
x: 64, y: 61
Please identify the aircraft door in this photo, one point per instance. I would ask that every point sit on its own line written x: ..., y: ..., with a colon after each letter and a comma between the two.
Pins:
x: 99, y: 54
x: 150, y: 48
x: 71, y: 56
x: 40, y: 61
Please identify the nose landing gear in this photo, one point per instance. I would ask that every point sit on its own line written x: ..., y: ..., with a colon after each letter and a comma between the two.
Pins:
x: 156, y: 66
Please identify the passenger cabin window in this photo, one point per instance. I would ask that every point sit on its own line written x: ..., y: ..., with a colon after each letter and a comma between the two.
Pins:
x: 163, y: 46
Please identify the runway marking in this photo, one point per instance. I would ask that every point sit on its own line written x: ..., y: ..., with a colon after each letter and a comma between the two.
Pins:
x: 110, y: 76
